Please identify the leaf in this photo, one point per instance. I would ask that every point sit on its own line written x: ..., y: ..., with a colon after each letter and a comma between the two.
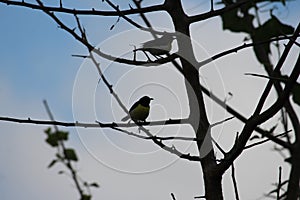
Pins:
x: 48, y: 131
x: 70, y: 154
x: 52, y: 140
x: 86, y: 197
x: 270, y: 29
x: 52, y: 163
x: 62, y: 135
x: 235, y: 22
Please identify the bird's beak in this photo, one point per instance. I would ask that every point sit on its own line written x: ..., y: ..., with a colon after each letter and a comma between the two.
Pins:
x: 151, y: 99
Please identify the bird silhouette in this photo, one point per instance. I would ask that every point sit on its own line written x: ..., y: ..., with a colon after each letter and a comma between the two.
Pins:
x: 159, y: 46
x: 139, y: 111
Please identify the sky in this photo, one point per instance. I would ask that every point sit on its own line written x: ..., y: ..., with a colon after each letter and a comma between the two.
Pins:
x: 36, y: 63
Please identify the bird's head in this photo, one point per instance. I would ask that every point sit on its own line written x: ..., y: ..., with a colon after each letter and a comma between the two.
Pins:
x: 145, y: 100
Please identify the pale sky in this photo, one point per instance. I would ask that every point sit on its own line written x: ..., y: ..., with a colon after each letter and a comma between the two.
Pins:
x: 36, y: 64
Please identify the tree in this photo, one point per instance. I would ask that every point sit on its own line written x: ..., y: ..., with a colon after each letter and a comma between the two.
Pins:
x: 236, y: 17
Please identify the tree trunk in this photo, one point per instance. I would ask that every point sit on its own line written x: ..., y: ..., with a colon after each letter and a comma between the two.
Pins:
x: 198, y: 117
x: 293, y: 192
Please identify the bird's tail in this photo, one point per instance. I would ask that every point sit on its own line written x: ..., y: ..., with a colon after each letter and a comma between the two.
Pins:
x: 124, y: 119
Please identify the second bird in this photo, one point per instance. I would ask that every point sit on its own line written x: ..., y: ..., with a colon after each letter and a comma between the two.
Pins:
x: 139, y: 111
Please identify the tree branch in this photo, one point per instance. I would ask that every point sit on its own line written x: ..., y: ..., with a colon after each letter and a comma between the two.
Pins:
x: 266, y: 140
x: 90, y: 12
x: 93, y: 125
x: 214, y: 13
x: 241, y: 47
x: 158, y: 141
x: 277, y: 70
x: 236, y: 191
x: 254, y: 121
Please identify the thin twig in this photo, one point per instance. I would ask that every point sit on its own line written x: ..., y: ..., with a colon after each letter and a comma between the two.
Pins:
x: 67, y: 162
x: 279, y: 183
x: 236, y: 191
x: 277, y: 70
x: 218, y: 146
x: 200, y: 197
x: 266, y: 140
x: 221, y: 122
x: 173, y: 196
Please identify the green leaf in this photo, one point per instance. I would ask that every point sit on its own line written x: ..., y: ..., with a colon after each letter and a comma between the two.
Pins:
x: 52, y: 140
x: 48, y: 131
x: 52, y: 163
x: 86, y: 197
x: 70, y: 154
x: 62, y: 135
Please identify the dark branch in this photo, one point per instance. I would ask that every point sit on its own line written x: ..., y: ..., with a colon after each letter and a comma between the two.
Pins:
x: 93, y: 125
x: 84, y: 12
x: 236, y: 191
x: 254, y: 121
x: 277, y: 70
x: 241, y: 47
x: 214, y: 13
x: 266, y: 140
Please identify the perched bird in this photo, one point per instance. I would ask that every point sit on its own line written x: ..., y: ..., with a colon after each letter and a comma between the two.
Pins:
x: 140, y: 110
x: 159, y: 46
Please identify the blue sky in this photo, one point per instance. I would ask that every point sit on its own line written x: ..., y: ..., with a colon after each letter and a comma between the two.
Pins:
x: 36, y: 64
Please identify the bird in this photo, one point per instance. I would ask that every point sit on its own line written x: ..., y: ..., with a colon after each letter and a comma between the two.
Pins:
x: 159, y: 46
x: 139, y: 111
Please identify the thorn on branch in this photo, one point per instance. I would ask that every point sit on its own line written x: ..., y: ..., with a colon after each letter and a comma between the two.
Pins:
x: 200, y: 197
x: 173, y: 196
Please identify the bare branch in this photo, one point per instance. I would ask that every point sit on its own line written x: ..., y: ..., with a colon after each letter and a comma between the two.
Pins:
x: 254, y: 121
x: 277, y: 70
x: 200, y: 197
x: 268, y: 77
x: 93, y: 125
x: 173, y: 196
x: 66, y: 162
x: 90, y: 12
x: 236, y: 191
x: 279, y: 183
x: 214, y: 13
x: 266, y: 140
x: 221, y: 122
x: 241, y: 117
x: 241, y: 47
